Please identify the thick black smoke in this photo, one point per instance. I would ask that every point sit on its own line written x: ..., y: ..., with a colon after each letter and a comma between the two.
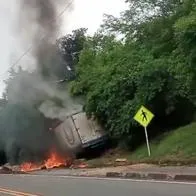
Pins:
x: 24, y: 132
x: 39, y: 24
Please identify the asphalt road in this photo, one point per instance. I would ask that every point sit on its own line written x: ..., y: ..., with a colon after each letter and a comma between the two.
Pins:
x: 19, y: 185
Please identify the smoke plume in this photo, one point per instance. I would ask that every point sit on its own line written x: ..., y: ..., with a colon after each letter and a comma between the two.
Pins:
x: 23, y: 127
x: 39, y: 24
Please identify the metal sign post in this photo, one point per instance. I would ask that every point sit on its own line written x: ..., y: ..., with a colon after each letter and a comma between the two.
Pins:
x: 147, y: 141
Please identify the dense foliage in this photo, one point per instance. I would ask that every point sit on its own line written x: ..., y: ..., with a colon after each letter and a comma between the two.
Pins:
x: 69, y: 47
x: 154, y: 65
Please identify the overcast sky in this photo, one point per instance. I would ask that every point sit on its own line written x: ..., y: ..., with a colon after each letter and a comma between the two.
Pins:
x: 85, y: 13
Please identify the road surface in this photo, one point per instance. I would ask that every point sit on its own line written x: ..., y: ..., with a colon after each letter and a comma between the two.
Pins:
x: 21, y: 185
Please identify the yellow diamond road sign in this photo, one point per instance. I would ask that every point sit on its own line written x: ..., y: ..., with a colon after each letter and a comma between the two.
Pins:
x: 144, y: 116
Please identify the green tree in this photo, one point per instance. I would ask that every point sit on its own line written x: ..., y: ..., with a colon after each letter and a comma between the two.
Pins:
x: 69, y: 47
x: 153, y: 66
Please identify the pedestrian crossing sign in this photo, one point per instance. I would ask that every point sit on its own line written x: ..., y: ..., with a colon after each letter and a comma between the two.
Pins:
x: 144, y: 116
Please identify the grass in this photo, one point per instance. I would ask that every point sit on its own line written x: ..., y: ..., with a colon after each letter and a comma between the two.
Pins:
x: 178, y: 144
x: 176, y: 148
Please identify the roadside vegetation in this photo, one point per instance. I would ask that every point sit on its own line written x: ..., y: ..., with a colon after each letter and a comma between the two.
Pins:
x: 153, y: 65
x: 175, y: 148
x: 178, y: 145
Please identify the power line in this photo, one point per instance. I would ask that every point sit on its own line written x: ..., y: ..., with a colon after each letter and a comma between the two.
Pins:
x: 31, y: 47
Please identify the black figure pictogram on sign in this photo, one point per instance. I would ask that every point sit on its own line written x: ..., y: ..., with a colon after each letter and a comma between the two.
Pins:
x: 144, y: 116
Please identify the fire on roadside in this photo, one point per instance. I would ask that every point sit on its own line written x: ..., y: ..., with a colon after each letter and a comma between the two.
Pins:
x: 54, y: 160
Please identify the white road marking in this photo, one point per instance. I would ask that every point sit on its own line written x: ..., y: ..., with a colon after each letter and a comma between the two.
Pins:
x: 101, y: 178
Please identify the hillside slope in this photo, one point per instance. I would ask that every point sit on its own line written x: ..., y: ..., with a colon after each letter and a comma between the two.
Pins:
x: 179, y: 145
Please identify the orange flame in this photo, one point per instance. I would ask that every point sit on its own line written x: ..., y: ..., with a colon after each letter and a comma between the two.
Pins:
x: 54, y: 160
x: 30, y: 167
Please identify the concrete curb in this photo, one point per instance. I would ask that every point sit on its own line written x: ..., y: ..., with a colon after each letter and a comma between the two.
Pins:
x: 191, y: 178
x: 152, y: 176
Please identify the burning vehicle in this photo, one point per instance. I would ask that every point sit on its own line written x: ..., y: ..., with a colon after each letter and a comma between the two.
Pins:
x: 74, y: 135
x: 78, y: 133
x: 34, y: 100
